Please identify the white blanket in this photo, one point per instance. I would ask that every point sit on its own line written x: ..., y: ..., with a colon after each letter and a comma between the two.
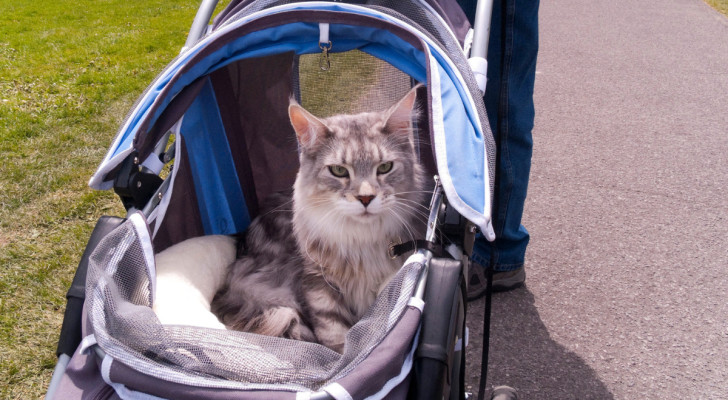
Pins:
x: 188, y: 276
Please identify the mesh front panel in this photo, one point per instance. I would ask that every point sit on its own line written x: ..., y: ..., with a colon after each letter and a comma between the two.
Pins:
x: 355, y: 82
x: 126, y: 328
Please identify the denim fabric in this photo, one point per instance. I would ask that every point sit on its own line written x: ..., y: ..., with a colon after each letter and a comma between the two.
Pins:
x: 508, y: 99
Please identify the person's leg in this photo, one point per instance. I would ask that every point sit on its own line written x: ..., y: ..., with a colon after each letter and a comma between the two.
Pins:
x: 509, y: 101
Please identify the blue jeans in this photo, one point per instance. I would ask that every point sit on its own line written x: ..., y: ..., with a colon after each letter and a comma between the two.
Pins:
x: 508, y: 99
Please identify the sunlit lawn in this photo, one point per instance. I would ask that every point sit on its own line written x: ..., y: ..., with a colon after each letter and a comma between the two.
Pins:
x: 720, y: 5
x: 69, y: 72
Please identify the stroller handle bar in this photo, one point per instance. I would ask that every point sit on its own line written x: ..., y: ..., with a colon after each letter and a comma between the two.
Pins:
x: 200, y: 23
x: 481, y: 29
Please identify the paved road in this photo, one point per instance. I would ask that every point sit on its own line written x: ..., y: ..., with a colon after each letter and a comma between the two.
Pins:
x: 627, y: 294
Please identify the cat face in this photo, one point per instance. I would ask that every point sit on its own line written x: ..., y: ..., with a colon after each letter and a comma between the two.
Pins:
x: 362, y: 167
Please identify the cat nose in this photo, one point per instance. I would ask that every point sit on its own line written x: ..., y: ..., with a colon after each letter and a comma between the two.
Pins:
x: 365, y: 199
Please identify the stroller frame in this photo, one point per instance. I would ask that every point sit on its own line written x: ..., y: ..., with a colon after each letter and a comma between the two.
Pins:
x: 444, y: 375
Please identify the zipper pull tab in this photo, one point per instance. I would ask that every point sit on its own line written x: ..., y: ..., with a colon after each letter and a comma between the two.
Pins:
x: 324, y: 61
x: 325, y: 46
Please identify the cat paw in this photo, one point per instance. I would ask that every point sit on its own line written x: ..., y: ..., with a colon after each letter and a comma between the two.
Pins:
x: 284, y: 322
x: 333, y: 337
x: 298, y: 331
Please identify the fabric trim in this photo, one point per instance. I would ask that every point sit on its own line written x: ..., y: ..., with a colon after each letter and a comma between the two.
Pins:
x: 406, y: 368
x: 121, y: 390
x: 416, y: 303
x: 106, y: 369
x: 142, y: 231
x: 323, y: 33
x: 438, y: 127
x: 160, y: 211
x: 303, y: 396
x: 86, y: 343
x: 442, y: 21
x: 337, y: 391
x: 109, y: 163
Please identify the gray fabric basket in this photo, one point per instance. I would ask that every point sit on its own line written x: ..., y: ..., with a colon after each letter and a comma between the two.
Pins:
x: 120, y: 292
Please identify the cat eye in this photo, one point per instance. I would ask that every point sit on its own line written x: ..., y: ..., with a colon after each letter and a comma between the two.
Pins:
x: 339, y: 171
x: 383, y: 168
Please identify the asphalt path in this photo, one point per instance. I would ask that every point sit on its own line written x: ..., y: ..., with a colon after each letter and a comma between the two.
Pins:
x: 626, y: 294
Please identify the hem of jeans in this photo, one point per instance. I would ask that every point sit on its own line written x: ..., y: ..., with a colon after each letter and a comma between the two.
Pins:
x: 507, y: 267
x: 498, y: 267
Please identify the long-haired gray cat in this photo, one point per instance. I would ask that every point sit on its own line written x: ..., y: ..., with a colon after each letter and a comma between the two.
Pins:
x: 311, y: 272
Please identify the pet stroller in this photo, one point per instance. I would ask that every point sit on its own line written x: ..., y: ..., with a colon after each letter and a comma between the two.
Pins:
x: 210, y: 138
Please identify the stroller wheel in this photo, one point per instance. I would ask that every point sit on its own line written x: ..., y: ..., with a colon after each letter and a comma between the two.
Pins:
x: 504, y: 393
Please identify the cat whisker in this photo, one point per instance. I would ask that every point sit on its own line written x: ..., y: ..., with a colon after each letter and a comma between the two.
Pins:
x: 417, y: 218
x: 422, y: 219
x: 412, y: 209
x: 313, y: 204
x: 416, y: 195
x: 420, y: 141
x: 279, y: 208
x: 402, y: 195
x: 415, y: 191
x: 404, y: 224
x: 413, y: 203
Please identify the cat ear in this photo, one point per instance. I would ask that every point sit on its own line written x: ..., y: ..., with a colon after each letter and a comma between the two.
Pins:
x: 308, y: 128
x: 399, y: 118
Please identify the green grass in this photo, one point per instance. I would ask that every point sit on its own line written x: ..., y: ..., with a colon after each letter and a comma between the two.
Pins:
x: 69, y: 73
x: 720, y: 5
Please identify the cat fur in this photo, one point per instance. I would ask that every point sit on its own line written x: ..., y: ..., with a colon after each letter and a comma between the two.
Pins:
x: 315, y: 266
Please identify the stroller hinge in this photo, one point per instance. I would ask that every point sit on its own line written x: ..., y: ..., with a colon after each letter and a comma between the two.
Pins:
x: 134, y: 185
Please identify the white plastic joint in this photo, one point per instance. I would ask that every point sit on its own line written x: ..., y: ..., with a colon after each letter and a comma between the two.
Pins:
x: 479, y: 65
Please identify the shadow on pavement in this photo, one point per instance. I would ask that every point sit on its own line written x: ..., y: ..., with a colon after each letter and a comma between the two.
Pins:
x: 523, y: 355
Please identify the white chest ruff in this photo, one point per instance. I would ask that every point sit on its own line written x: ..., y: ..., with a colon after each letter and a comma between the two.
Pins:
x: 356, y: 263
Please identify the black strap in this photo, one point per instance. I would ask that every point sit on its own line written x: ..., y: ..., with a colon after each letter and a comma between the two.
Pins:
x: 486, y: 324
x: 396, y: 250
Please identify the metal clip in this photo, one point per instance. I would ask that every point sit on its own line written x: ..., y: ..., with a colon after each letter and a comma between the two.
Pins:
x: 392, y: 247
x: 390, y: 252
x: 324, y: 61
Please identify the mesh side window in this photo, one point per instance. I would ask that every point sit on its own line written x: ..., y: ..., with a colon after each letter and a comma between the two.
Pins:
x: 126, y: 274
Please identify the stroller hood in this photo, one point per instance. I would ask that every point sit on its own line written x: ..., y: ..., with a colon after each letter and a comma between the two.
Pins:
x: 459, y: 134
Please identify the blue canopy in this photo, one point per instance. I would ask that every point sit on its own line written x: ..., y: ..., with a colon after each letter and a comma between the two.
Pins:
x: 458, y: 142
